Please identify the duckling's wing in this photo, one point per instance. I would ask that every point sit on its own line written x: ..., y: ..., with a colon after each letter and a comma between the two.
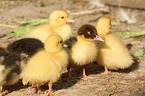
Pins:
x: 70, y: 41
x: 29, y: 46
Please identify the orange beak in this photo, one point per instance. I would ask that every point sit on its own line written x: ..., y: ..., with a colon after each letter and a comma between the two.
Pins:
x: 70, y: 20
x: 98, y: 38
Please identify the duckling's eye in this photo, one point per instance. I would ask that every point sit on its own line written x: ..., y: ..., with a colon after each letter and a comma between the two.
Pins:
x: 91, y: 32
x: 62, y: 17
x: 60, y: 42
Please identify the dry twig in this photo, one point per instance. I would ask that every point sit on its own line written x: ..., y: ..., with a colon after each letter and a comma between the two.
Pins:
x: 5, y: 25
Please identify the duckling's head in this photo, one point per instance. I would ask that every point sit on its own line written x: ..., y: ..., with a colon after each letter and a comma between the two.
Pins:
x: 88, y: 32
x: 54, y: 43
x: 103, y: 25
x: 59, y: 18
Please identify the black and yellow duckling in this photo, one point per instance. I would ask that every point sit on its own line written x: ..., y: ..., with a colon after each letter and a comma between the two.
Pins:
x: 84, y: 50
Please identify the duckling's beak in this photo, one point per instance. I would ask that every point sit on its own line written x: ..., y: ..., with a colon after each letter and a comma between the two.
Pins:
x: 98, y: 38
x: 70, y: 20
x: 64, y: 45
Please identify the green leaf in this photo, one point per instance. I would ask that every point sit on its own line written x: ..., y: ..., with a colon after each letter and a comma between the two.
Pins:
x: 140, y: 52
x: 34, y: 22
x: 23, y: 23
x: 23, y: 30
x: 37, y: 22
x: 20, y: 31
x: 130, y: 34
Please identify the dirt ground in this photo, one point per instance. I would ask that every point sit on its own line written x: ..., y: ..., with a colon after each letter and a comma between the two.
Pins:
x: 127, y: 82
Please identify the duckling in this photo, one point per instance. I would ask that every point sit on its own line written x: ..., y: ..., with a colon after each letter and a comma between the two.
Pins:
x: 47, y: 64
x: 84, y: 50
x: 113, y: 54
x: 57, y: 25
x: 28, y: 46
x: 10, y: 68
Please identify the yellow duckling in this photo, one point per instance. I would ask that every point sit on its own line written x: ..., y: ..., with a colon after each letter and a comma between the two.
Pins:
x: 84, y: 50
x: 57, y: 25
x: 47, y: 64
x: 113, y: 54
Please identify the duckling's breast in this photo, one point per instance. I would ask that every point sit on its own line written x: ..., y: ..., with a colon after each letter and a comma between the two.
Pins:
x: 40, y: 68
x: 83, y: 53
x: 61, y: 59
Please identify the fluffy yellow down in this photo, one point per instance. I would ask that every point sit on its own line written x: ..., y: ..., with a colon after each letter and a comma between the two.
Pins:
x: 64, y: 31
x: 41, y: 32
x: 56, y: 25
x: 112, y: 52
x: 46, y: 65
x: 83, y: 52
x: 103, y: 26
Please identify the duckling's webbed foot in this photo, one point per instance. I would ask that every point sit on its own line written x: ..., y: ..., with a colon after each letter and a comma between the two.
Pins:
x: 39, y: 91
x: 106, y: 71
x: 84, y: 74
x: 50, y: 89
x: 2, y: 92
x: 69, y: 73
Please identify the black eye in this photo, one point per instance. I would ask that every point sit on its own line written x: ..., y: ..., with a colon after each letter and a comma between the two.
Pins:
x: 91, y: 32
x: 60, y: 42
x: 62, y: 17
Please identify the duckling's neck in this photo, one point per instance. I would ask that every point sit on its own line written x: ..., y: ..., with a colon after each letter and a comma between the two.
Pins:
x: 53, y: 51
x: 102, y: 35
x: 56, y: 26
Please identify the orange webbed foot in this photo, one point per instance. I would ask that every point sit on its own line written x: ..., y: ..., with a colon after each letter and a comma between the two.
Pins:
x: 3, y: 93
x: 106, y: 71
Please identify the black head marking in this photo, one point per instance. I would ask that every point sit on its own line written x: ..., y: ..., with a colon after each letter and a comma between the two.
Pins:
x: 88, y: 31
